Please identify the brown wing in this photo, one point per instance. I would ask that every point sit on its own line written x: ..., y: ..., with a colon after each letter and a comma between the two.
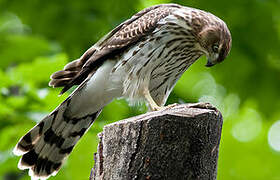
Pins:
x: 112, y: 44
x: 70, y: 70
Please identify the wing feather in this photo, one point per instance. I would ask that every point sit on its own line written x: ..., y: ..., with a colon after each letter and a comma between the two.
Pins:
x: 116, y: 41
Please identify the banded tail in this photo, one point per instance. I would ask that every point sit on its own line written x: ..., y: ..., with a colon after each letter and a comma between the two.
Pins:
x: 47, y: 145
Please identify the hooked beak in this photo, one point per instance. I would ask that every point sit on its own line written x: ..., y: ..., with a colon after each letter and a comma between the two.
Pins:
x: 209, y: 63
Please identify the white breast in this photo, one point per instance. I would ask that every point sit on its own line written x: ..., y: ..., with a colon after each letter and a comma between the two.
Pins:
x: 150, y: 56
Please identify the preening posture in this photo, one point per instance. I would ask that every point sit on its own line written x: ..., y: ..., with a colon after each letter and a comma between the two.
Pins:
x: 140, y: 60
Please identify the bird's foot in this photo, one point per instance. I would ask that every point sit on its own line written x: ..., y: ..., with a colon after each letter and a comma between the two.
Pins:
x: 152, y: 104
x: 159, y: 108
x: 171, y: 106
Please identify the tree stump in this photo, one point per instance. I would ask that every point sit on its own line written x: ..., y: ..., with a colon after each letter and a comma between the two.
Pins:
x: 181, y: 142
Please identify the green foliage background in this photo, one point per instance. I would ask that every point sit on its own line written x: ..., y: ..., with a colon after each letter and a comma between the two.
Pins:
x: 39, y: 37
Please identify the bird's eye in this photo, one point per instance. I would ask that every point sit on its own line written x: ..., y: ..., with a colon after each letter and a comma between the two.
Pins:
x: 215, y: 48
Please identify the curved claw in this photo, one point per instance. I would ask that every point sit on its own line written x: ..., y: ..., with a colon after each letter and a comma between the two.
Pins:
x: 158, y: 108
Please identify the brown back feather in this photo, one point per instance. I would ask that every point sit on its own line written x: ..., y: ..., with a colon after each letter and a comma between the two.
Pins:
x: 115, y: 42
x: 71, y: 70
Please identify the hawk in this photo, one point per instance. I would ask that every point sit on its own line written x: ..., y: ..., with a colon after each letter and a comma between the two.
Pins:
x: 141, y: 60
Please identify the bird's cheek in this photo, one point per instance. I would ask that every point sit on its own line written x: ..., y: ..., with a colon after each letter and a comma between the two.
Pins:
x: 215, y: 56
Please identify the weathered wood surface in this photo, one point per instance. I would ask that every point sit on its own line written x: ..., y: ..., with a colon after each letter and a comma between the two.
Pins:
x: 181, y: 142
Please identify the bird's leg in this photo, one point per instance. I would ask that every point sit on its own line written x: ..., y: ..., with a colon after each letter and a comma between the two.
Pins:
x: 153, y: 105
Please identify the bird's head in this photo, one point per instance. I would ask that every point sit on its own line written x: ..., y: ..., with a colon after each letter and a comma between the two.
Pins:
x: 215, y: 41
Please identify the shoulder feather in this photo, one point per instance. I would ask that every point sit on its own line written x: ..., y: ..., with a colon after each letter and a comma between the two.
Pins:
x: 115, y: 42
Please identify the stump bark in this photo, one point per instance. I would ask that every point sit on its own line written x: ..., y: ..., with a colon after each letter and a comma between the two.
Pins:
x: 181, y: 142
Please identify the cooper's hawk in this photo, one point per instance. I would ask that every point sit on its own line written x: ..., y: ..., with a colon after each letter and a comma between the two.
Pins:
x: 141, y: 59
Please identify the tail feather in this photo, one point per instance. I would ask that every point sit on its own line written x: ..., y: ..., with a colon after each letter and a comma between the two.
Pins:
x: 46, y: 146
